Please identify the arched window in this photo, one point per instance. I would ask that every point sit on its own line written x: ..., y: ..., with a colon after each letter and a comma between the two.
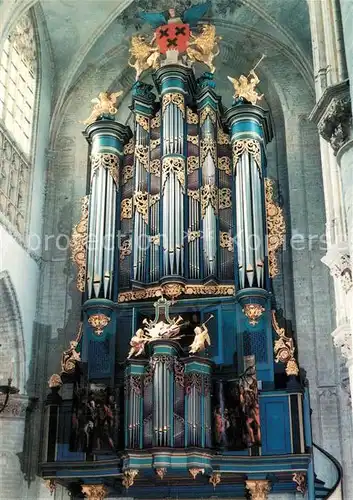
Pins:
x: 18, y: 79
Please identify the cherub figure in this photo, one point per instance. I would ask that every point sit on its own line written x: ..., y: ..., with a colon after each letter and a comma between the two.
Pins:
x: 245, y: 87
x: 70, y: 357
x: 202, y: 338
x: 103, y: 104
x: 137, y: 343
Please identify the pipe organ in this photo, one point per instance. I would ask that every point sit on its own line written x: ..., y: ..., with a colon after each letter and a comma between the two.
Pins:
x: 181, y: 365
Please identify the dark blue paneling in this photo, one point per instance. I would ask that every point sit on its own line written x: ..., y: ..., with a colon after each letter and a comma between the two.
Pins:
x: 275, y: 425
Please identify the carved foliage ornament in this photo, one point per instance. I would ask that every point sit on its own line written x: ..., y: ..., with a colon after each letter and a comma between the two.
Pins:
x: 253, y: 312
x: 258, y: 489
x: 215, y: 479
x: 226, y: 241
x: 108, y: 161
x: 208, y: 147
x: 194, y: 472
x: 127, y: 174
x: 192, y: 164
x: 191, y: 117
x: 249, y: 146
x: 94, y: 491
x: 125, y: 249
x: 129, y: 147
x: 141, y: 204
x: 222, y: 137
x: 173, y: 165
x: 126, y: 209
x: 284, y: 349
x: 194, y: 139
x: 300, y: 479
x: 129, y: 477
x: 206, y: 112
x: 98, y: 322
x: 156, y: 121
x: 276, y: 228
x: 174, y: 98
x: 225, y: 198
x: 78, y: 245
x: 224, y: 164
x: 209, y: 196
x: 143, y: 121
x: 174, y: 290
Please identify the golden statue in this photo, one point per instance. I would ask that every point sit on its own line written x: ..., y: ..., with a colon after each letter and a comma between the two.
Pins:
x: 103, y: 104
x: 143, y: 55
x: 245, y: 87
x: 204, y: 47
x: 202, y: 338
x: 70, y: 357
x: 137, y: 343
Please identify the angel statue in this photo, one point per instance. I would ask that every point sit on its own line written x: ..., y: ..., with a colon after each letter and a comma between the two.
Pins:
x: 190, y: 16
x: 202, y: 338
x: 103, y: 104
x: 137, y: 343
x: 70, y: 357
x: 245, y: 86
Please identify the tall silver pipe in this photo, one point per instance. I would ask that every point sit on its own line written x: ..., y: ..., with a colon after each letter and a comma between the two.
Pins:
x: 92, y: 232
x: 108, y: 246
x: 248, y: 222
x: 171, y: 227
x: 258, y: 222
x: 240, y: 223
x: 98, y: 264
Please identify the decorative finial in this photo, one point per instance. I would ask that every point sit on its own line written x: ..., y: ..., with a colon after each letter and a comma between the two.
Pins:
x: 104, y: 104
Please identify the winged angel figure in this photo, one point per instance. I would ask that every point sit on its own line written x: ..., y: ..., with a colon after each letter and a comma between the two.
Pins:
x: 190, y: 16
x: 245, y: 87
x: 103, y: 104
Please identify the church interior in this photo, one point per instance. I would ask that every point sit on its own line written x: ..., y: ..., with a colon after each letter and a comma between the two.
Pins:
x: 176, y: 233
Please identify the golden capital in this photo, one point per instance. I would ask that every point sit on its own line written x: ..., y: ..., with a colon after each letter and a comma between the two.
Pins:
x: 94, y: 491
x: 258, y: 488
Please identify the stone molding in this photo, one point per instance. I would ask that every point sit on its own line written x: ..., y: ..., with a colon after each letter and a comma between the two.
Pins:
x: 333, y: 115
x: 16, y: 407
x: 342, y: 338
x: 339, y: 261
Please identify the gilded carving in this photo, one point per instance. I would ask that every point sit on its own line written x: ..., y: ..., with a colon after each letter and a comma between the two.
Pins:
x: 143, y: 121
x: 125, y: 249
x: 126, y: 209
x: 299, y: 478
x: 141, y: 204
x: 202, y: 337
x: 245, y: 87
x: 258, y: 488
x: 129, y: 477
x: 156, y: 121
x: 226, y: 241
x: 191, y: 117
x: 78, y: 245
x: 174, y: 165
x: 174, y: 98
x: 253, y: 312
x: 129, y: 147
x: 98, y: 322
x: 109, y: 161
x: 284, y: 349
x: 194, y: 194
x: 208, y: 146
x: 192, y: 164
x: 249, y: 146
x: 194, y: 139
x: 224, y: 164
x: 215, y: 479
x: 71, y: 357
x: 222, y: 137
x: 154, y: 143
x: 155, y: 240
x: 194, y: 472
x: 209, y: 195
x: 141, y: 153
x: 55, y: 381
x: 103, y: 104
x: 94, y: 491
x: 276, y: 228
x: 153, y: 199
x: 176, y: 290
x: 127, y: 173
x: 206, y: 112
x: 155, y: 167
x: 224, y: 198
x: 161, y: 472
x: 204, y: 47
x: 143, y: 55
x: 51, y: 485
x: 193, y: 235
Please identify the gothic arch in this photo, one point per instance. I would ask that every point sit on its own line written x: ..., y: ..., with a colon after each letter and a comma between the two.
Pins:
x: 11, y: 333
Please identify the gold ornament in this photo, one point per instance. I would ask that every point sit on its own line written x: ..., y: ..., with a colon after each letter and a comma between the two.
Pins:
x: 177, y: 289
x: 208, y: 147
x: 204, y: 46
x: 129, y: 147
x: 141, y: 153
x: 300, y: 479
x: 129, y: 477
x: 103, y: 104
x: 51, y: 485
x: 194, y: 139
x: 156, y: 121
x: 154, y: 143
x: 109, y: 161
x: 127, y: 173
x: 94, y: 491
x: 253, y: 312
x: 78, y: 245
x: 98, y: 322
x: 284, y: 349
x: 143, y: 121
x: 161, y: 472
x: 206, y: 112
x: 141, y: 204
x: 209, y: 195
x: 276, y: 228
x: 126, y: 209
x: 258, y: 488
x: 249, y: 146
x: 174, y: 165
x: 193, y: 235
x: 125, y: 249
x: 222, y: 137
x: 155, y: 167
x: 174, y: 98
x: 224, y: 164
x: 143, y: 55
x: 224, y: 198
x: 194, y: 472
x: 71, y: 357
x: 192, y: 164
x: 55, y: 381
x: 215, y: 479
x: 191, y: 117
x: 226, y: 241
x: 245, y: 87
x: 153, y: 199
x: 194, y: 194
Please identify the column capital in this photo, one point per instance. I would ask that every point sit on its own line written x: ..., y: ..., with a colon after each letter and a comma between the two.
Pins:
x: 258, y: 488
x: 333, y: 115
x: 342, y: 338
x: 94, y: 491
x: 338, y: 259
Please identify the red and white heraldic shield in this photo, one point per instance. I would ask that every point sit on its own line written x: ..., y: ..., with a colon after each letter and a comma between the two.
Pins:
x: 173, y: 36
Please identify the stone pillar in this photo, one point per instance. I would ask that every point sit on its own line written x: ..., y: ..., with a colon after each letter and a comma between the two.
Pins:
x: 258, y: 488
x: 12, y: 427
x: 94, y: 491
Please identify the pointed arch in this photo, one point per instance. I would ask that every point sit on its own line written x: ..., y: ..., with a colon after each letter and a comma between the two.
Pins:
x: 12, y: 348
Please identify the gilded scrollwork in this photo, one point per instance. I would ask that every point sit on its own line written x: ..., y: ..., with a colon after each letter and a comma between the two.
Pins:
x: 94, y: 491
x: 141, y: 204
x: 249, y: 146
x: 127, y: 174
x: 191, y: 117
x: 126, y: 209
x: 70, y: 357
x: 299, y: 478
x: 284, y: 348
x: 109, y: 161
x: 154, y: 143
x: 129, y: 477
x: 222, y: 137
x: 174, y: 165
x: 226, y: 241
x: 193, y: 235
x: 208, y: 146
x: 253, y: 312
x: 209, y: 196
x: 224, y: 164
x: 156, y: 121
x: 215, y: 478
x: 276, y: 227
x: 125, y: 249
x: 143, y: 121
x: 194, y: 139
x: 206, y: 112
x: 78, y: 245
x: 176, y: 290
x: 224, y: 198
x: 155, y: 240
x: 194, y: 194
x: 98, y: 322
x: 141, y: 153
x: 129, y: 147
x: 153, y: 199
x: 192, y: 164
x: 174, y: 98
x: 155, y: 167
